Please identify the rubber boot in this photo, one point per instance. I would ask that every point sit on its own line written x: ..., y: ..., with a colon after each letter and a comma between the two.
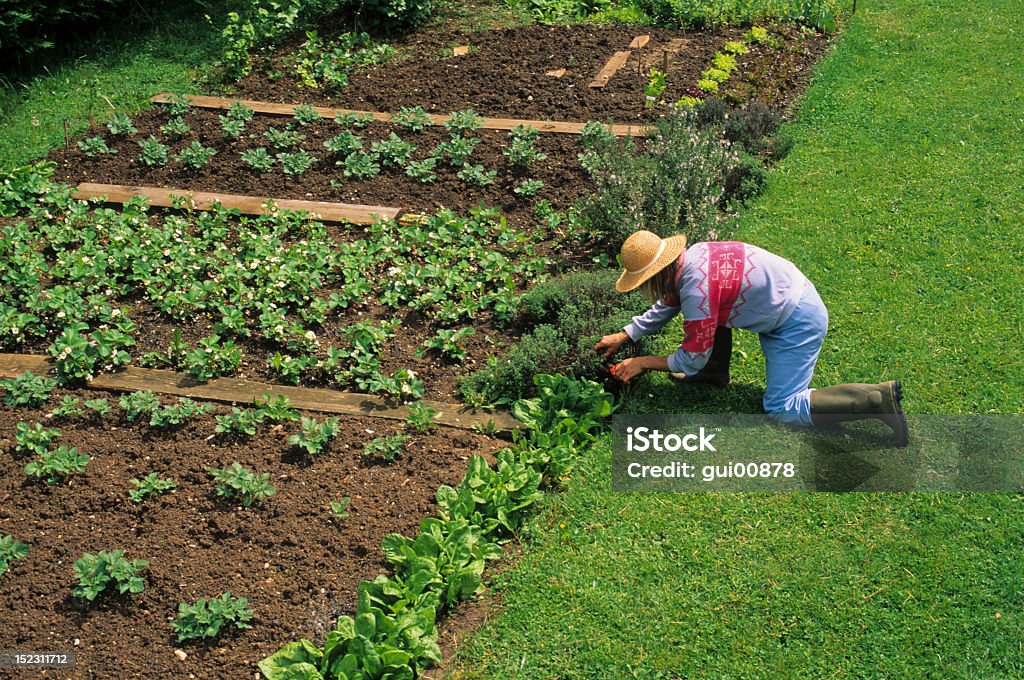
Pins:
x: 859, y: 401
x: 716, y: 371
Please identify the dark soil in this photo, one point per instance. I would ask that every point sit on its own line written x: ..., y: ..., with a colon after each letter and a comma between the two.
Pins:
x: 297, y: 564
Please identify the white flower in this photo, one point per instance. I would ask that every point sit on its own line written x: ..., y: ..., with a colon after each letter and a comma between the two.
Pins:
x: 310, y: 335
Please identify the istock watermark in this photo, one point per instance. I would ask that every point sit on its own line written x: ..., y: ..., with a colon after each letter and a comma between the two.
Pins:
x: 730, y: 452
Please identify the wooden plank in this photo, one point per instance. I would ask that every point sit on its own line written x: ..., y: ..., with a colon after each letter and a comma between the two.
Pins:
x: 461, y: 51
x: 639, y: 42
x: 563, y: 127
x: 557, y: 73
x: 613, y: 65
x: 237, y: 391
x: 249, y: 205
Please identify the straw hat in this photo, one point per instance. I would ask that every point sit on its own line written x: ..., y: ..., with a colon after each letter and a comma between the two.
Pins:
x: 644, y: 254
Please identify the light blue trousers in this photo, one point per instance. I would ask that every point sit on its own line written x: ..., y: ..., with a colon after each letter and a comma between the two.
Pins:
x: 790, y: 352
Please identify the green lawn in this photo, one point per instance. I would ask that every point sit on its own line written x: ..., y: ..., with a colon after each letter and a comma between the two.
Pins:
x: 902, y: 200
x: 119, y: 68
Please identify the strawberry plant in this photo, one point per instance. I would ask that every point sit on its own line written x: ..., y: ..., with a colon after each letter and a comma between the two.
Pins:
x: 213, y: 358
x: 241, y: 112
x: 477, y: 174
x: 34, y: 439
x: 392, y: 151
x: 78, y: 356
x: 241, y: 421
x: 345, y: 143
x: 95, y: 573
x: 241, y: 484
x: 421, y: 417
x: 137, y: 404
x: 153, y: 152
x: 461, y: 122
x: 360, y: 165
x: 385, y: 449
x: 276, y: 409
x: 150, y: 485
x: 68, y: 408
x: 403, y: 385
x: 10, y: 550
x: 446, y: 342
x: 100, y: 407
x: 412, y: 119
x: 284, y: 139
x: 231, y: 128
x: 54, y: 466
x: 457, y: 149
x: 422, y: 171
x: 258, y: 159
x: 339, y: 509
x: 27, y: 389
x: 523, y: 151
x: 289, y: 368
x: 196, y: 155
x: 204, y: 619
x: 305, y: 114
x: 356, y: 121
x: 95, y: 146
x: 296, y: 163
x: 121, y: 125
x: 175, y: 128
x: 315, y: 436
x: 528, y: 187
x: 183, y: 411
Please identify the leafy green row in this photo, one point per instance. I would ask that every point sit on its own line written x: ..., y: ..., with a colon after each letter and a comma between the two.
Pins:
x: 392, y: 634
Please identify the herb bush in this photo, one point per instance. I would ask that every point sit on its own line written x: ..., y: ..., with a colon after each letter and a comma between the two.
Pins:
x: 565, y: 318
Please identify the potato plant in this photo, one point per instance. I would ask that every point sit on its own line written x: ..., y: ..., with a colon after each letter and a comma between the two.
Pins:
x: 96, y: 573
x: 205, y: 619
x: 239, y: 483
x: 10, y: 550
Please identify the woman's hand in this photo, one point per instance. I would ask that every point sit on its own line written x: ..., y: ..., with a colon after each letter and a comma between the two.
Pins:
x: 627, y: 369
x: 610, y: 344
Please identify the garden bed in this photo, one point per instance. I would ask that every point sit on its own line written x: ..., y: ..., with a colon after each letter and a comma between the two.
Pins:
x: 296, y: 563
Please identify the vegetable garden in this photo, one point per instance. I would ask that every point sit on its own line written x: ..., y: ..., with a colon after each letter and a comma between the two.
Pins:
x: 165, y: 535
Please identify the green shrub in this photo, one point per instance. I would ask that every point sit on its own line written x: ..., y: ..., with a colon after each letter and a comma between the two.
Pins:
x: 30, y: 26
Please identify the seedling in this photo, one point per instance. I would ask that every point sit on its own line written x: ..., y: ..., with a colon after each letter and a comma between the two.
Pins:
x: 68, y: 408
x: 241, y: 421
x: 277, y: 408
x: 196, y: 155
x: 177, y: 104
x: 707, y: 85
x: 392, y: 151
x: 528, y: 187
x: 422, y: 171
x: 360, y: 165
x: 175, y: 128
x: 446, y: 342
x: 345, y: 143
x: 596, y: 135
x: 121, y: 125
x: 421, y: 417
x: 297, y: 163
x: 457, y: 149
x: 477, y: 174
x: 522, y: 151
x: 241, y: 484
x: 340, y: 508
x: 231, y: 128
x: 95, y: 146
x: 150, y: 485
x: 385, y: 449
x: 34, y: 439
x: 463, y: 121
x: 185, y: 410
x: 715, y: 75
x: 412, y: 119
x: 756, y: 34
x: 54, y: 466
x: 356, y: 121
x: 96, y: 572
x: 315, y: 436
x: 305, y: 114
x: 205, y: 619
x: 153, y: 152
x: 241, y: 112
x: 27, y: 389
x: 258, y: 159
x: 11, y: 550
x: 284, y: 139
x: 139, y: 404
x: 655, y: 86
x: 100, y: 407
x: 724, y: 62
x: 736, y: 47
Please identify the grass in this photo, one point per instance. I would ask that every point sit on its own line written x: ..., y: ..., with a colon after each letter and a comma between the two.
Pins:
x: 116, y: 69
x: 902, y: 202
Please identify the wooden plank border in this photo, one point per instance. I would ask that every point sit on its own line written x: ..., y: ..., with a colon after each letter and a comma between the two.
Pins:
x: 613, y: 65
x: 237, y: 391
x: 249, y: 205
x: 570, y: 128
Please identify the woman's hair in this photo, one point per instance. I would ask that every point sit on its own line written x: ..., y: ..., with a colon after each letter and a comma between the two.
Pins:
x: 660, y: 285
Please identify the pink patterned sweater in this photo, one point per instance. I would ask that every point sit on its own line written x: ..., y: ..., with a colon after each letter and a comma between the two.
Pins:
x: 722, y: 283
